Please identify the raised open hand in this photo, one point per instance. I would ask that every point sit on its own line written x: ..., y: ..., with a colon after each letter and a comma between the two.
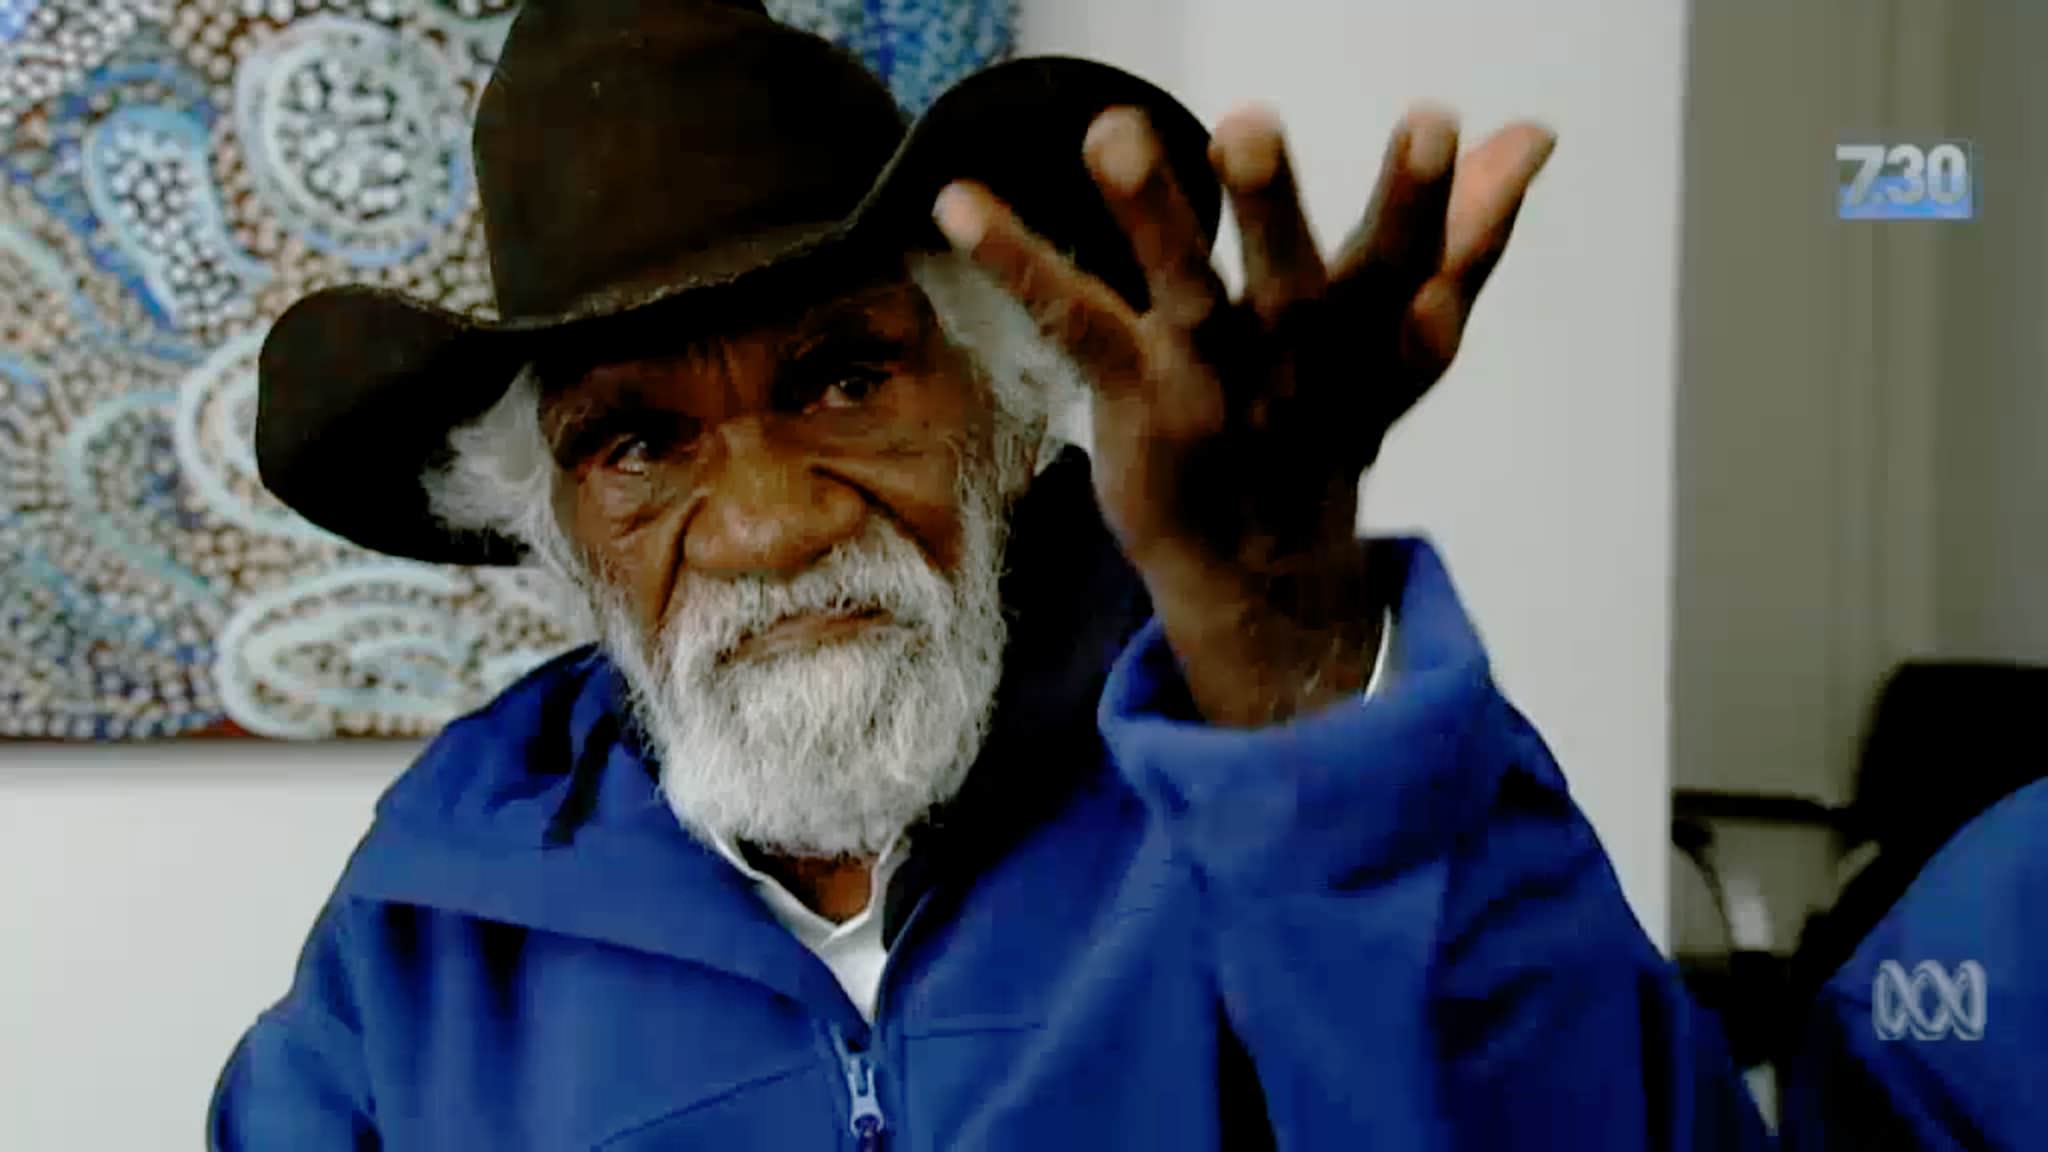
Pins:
x: 1230, y: 435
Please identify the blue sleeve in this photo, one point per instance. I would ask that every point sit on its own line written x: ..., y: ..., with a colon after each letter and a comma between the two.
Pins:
x: 297, y: 1078
x: 1831, y: 1100
x: 1552, y: 1006
x: 1415, y: 935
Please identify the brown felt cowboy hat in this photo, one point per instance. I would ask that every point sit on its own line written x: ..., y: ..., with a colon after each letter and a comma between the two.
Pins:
x: 638, y: 162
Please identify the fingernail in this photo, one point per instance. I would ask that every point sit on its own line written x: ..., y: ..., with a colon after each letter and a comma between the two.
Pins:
x: 1432, y: 144
x: 1117, y: 144
x: 961, y: 215
x: 1247, y: 148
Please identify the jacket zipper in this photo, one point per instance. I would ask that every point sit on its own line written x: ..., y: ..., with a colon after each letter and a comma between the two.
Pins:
x: 864, y: 1118
x: 864, y: 1115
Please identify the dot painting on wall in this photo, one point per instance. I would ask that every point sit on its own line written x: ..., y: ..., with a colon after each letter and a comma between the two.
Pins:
x: 173, y: 173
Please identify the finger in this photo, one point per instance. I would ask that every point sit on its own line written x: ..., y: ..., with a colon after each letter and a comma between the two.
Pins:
x: 1281, y: 262
x: 1400, y: 242
x: 1431, y: 331
x: 1074, y: 310
x: 1486, y: 196
x: 1130, y: 167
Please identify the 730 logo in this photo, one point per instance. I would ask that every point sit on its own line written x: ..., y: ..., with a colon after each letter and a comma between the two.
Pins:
x: 1936, y: 181
x: 1930, y: 1002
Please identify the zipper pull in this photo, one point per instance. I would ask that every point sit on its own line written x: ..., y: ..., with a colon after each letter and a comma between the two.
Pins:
x: 864, y: 1118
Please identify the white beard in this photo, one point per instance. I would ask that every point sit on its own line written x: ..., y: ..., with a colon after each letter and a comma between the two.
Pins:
x: 835, y: 750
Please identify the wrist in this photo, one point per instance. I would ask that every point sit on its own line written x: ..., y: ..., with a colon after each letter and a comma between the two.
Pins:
x: 1262, y: 646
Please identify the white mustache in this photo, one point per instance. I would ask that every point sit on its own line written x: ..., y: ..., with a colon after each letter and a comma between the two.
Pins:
x: 837, y: 749
x: 880, y: 572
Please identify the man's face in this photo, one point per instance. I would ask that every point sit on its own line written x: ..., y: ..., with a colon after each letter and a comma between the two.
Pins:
x: 794, y: 534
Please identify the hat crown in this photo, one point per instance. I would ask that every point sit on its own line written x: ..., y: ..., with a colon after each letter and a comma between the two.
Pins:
x: 620, y: 140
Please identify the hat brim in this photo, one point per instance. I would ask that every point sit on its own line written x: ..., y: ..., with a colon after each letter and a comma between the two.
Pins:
x: 360, y: 387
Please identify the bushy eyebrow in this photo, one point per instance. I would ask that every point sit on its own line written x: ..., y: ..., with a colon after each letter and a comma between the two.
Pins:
x: 841, y: 333
x: 852, y: 332
x: 852, y: 320
x: 579, y: 429
x: 849, y: 343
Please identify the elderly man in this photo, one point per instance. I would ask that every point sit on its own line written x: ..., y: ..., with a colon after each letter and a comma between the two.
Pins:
x: 931, y: 788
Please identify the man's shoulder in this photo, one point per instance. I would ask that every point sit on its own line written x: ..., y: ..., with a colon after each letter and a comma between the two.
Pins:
x: 530, y: 734
x: 1935, y: 1021
x: 1968, y: 903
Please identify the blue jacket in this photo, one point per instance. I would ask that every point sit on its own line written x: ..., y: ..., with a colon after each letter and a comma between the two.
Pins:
x: 1960, y: 1066
x: 1383, y: 926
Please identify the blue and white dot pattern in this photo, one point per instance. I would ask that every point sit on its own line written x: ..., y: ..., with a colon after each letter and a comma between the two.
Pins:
x: 920, y: 47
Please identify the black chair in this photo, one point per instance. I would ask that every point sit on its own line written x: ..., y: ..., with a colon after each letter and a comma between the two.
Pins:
x: 1944, y: 742
x: 1744, y: 985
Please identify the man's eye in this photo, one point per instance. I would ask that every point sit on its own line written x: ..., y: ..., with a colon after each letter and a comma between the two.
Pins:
x: 630, y: 454
x: 851, y: 389
x: 635, y: 445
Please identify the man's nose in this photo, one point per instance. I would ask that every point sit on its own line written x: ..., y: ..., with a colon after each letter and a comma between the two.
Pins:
x: 766, y: 507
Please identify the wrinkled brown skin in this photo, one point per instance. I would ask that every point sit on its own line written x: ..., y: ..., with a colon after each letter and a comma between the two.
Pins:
x: 757, y: 452
x: 1231, y: 435
x: 750, y: 456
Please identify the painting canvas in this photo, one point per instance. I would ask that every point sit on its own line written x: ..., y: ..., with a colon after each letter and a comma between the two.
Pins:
x: 173, y: 173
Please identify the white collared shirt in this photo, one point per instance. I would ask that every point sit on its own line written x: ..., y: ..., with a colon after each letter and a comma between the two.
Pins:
x: 853, y: 950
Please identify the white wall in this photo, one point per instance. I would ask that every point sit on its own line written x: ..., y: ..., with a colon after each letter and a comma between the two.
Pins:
x: 1543, y: 464
x: 1861, y: 405
x: 1810, y: 391
x: 154, y: 898
x: 152, y: 901
x: 1801, y: 462
x: 1993, y: 420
